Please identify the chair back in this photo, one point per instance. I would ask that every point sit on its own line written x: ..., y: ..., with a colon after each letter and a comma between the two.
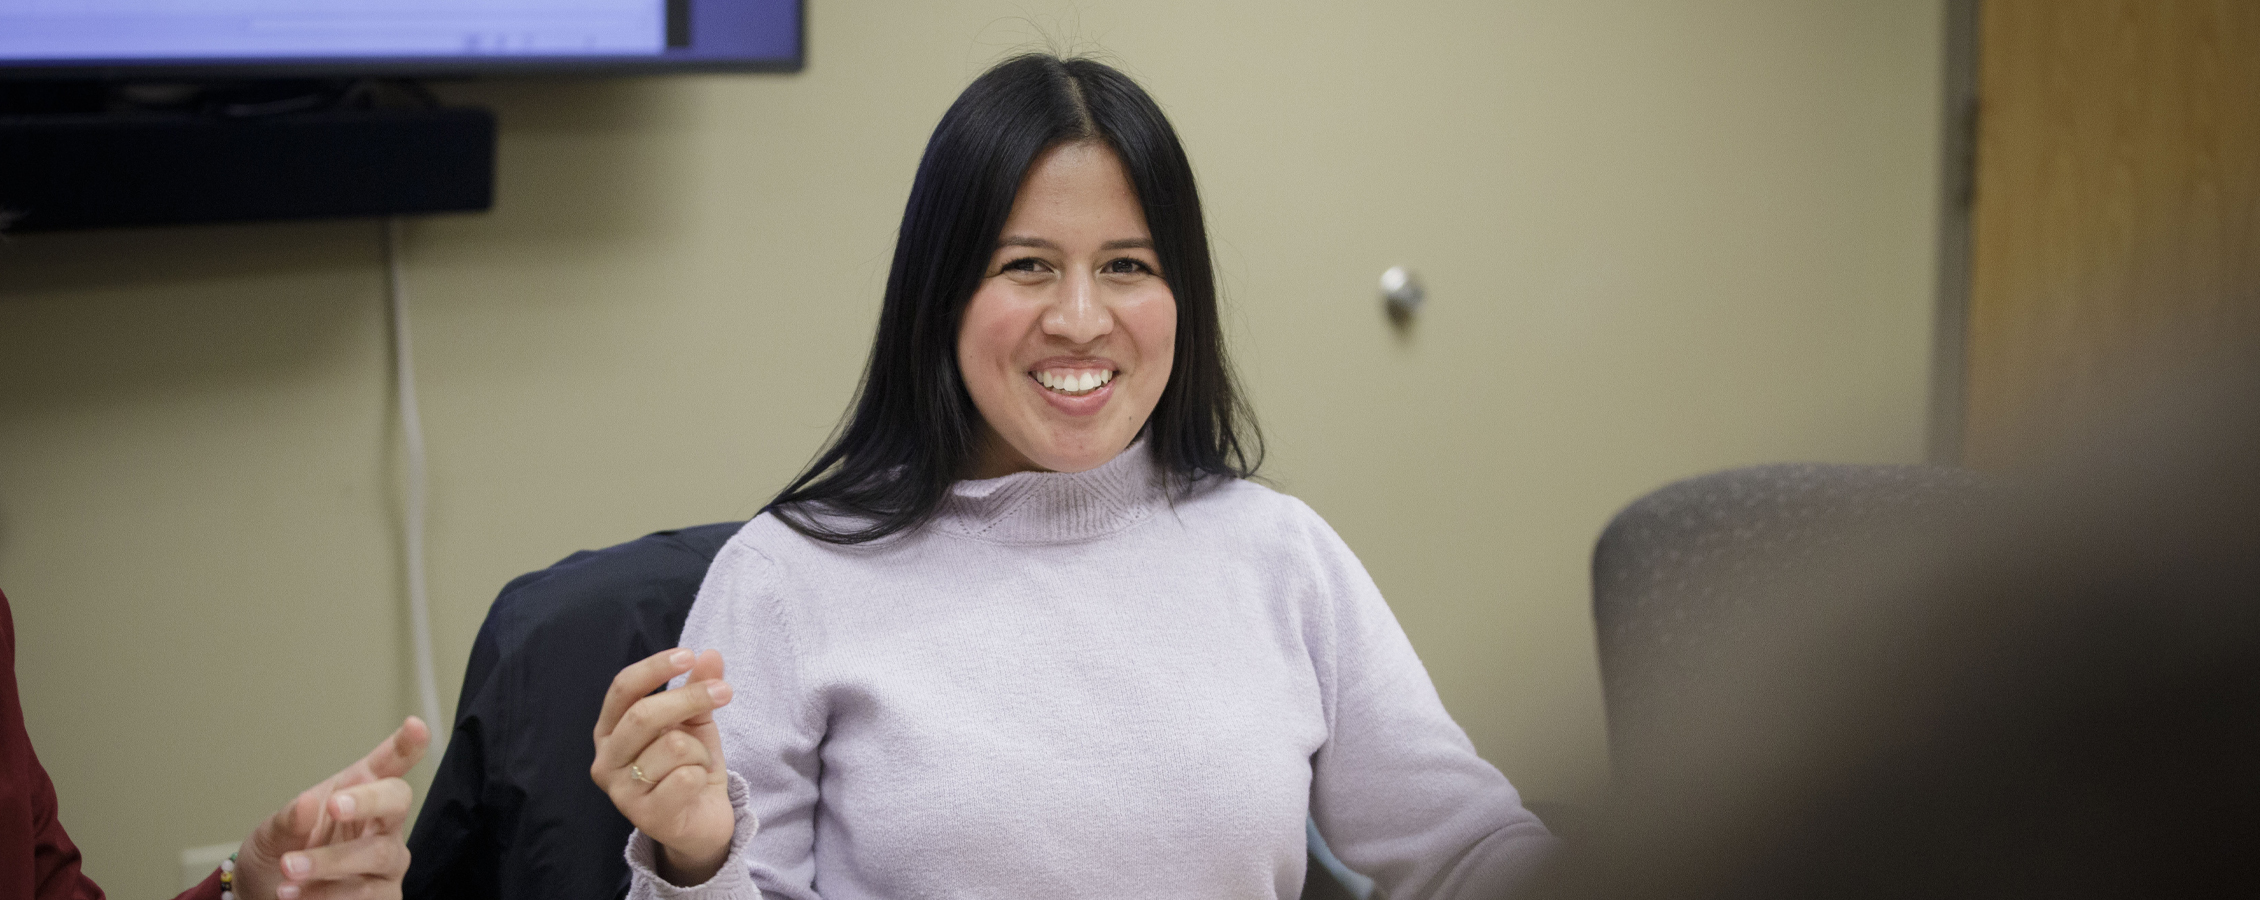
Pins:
x: 1683, y: 575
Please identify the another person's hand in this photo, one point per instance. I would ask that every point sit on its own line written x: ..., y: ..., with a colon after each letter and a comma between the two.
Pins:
x: 340, y: 838
x: 659, y: 757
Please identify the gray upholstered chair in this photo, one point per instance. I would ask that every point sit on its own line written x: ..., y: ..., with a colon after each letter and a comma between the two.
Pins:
x: 1683, y: 574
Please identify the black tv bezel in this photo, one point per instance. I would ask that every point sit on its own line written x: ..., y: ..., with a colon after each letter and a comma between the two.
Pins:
x: 432, y: 68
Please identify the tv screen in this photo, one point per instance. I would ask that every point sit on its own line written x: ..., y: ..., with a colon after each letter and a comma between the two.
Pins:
x: 227, y: 39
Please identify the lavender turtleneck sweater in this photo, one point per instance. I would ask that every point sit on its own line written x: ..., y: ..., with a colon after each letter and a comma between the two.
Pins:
x: 1067, y: 686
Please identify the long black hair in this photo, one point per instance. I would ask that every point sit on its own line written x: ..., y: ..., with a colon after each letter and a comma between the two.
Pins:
x: 914, y: 429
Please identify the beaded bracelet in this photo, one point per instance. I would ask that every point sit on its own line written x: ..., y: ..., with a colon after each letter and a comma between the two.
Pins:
x: 227, y: 877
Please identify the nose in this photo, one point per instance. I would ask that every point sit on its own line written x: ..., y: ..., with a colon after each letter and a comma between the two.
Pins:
x: 1079, y: 315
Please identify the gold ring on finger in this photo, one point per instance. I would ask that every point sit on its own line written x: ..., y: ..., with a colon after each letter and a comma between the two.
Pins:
x: 636, y: 772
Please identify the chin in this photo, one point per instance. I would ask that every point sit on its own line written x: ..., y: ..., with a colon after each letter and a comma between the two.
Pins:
x: 1079, y: 455
x: 1074, y: 462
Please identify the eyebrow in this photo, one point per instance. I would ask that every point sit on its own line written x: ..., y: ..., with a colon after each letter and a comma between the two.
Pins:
x: 1014, y: 240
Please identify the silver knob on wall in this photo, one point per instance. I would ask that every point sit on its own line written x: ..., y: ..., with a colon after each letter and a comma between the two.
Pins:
x: 1401, y: 291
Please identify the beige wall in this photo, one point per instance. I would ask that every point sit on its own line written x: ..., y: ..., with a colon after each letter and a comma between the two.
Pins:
x: 1659, y: 237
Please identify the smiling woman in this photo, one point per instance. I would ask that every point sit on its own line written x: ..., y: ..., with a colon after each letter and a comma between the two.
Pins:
x: 1026, y: 629
x: 1035, y: 155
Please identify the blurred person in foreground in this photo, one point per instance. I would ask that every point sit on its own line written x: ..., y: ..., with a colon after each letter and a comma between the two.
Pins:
x: 338, y: 839
x: 2058, y: 698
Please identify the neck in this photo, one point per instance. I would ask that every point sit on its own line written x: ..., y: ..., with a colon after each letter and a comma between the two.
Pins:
x: 997, y: 458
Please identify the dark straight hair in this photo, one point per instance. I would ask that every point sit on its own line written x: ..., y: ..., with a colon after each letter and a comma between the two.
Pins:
x: 913, y: 429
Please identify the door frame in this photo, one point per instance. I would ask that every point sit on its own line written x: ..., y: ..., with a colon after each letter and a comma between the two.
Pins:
x: 1957, y: 182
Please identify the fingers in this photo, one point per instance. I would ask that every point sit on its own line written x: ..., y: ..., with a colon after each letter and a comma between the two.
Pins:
x: 344, y: 869
x: 635, y: 681
x: 707, y: 667
x: 312, y: 818
x: 659, y: 756
x: 653, y: 716
x: 342, y: 837
x: 674, y: 750
x: 379, y: 805
x: 286, y: 830
x: 397, y: 754
x: 678, y: 791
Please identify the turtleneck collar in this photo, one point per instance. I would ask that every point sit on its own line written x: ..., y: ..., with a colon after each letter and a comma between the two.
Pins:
x: 1055, y: 507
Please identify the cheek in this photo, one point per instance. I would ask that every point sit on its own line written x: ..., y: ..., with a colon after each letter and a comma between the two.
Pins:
x: 1153, y: 328
x: 985, y: 340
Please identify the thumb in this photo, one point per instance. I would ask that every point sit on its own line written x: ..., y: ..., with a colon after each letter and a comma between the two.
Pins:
x: 706, y: 665
x: 290, y: 828
x: 706, y: 668
x: 703, y: 728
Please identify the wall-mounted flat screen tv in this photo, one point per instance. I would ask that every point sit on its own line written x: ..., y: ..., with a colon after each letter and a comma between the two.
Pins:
x: 235, y: 39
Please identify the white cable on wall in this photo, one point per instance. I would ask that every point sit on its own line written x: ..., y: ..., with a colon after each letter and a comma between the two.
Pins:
x: 412, y: 439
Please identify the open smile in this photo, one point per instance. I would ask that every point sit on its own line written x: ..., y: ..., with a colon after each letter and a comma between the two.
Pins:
x: 1073, y: 382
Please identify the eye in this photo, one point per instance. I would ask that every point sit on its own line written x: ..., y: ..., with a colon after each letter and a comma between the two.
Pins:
x: 1025, y: 268
x: 1126, y: 265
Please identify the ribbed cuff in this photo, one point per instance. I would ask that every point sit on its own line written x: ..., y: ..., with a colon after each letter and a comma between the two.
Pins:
x: 734, y: 880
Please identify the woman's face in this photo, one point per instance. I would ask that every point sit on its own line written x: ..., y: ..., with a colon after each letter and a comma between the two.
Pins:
x: 1066, y: 345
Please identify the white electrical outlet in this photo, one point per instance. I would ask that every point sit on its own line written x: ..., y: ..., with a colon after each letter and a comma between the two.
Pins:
x: 197, y: 863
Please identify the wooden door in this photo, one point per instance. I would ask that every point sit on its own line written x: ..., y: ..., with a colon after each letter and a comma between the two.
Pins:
x: 2116, y: 226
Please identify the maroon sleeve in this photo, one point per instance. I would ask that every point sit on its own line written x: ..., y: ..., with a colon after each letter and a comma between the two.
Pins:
x: 37, y: 860
x: 208, y: 889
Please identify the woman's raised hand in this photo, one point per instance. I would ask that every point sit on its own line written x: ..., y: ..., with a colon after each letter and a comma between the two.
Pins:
x: 659, y: 757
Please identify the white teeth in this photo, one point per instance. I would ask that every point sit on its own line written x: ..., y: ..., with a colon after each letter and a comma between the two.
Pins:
x: 1082, y: 382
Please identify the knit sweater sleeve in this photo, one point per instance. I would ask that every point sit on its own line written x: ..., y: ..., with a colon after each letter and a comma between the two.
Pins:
x: 770, y: 735
x: 1397, y: 789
